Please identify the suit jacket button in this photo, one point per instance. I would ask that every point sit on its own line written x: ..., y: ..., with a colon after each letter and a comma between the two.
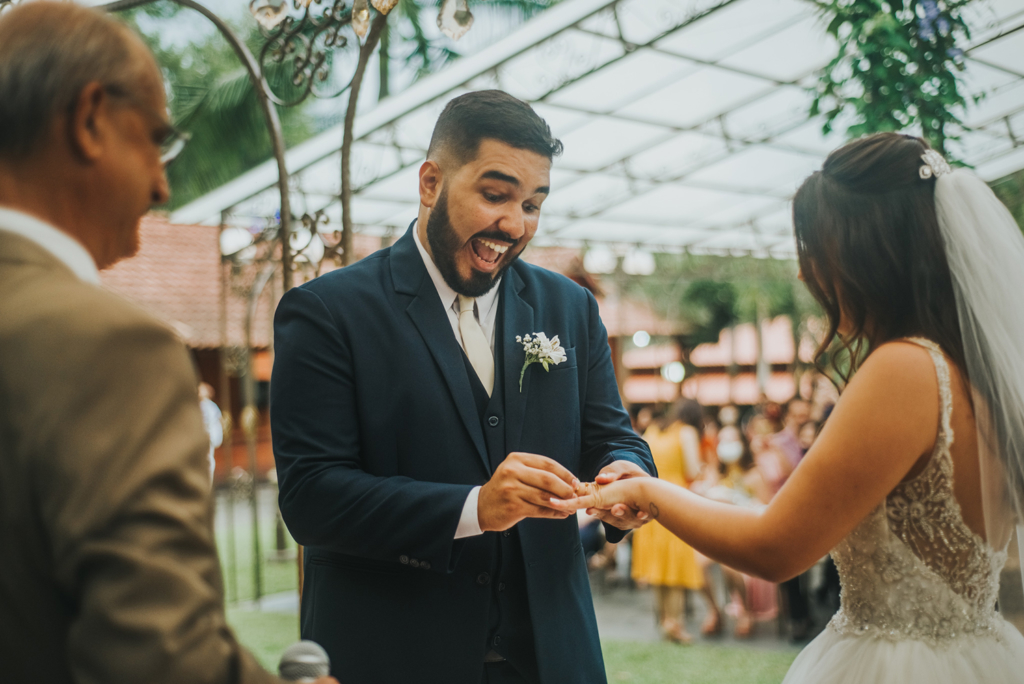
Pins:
x: 414, y: 563
x: 404, y: 560
x: 425, y: 565
x: 506, y: 533
x: 483, y: 578
x: 493, y: 421
x: 497, y: 640
x: 501, y: 586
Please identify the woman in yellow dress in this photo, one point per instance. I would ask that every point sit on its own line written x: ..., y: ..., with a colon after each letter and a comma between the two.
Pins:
x: 661, y: 559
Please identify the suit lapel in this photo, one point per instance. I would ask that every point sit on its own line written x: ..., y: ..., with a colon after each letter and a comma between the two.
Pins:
x: 518, y: 321
x: 410, y: 277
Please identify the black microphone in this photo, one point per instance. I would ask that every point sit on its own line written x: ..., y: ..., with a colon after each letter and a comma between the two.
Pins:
x: 304, y: 662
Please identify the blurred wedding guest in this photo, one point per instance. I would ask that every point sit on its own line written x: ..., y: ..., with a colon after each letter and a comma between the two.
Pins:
x: 108, y: 569
x: 211, y: 421
x: 787, y: 440
x: 642, y: 419
x: 773, y: 465
x: 662, y: 560
x: 737, y: 481
x: 776, y: 456
x: 807, y: 434
x: 709, y: 444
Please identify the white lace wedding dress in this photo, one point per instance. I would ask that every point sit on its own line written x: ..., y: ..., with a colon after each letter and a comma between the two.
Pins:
x: 919, y: 589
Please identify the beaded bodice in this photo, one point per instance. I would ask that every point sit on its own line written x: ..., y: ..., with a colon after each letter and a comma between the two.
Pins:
x: 913, y: 569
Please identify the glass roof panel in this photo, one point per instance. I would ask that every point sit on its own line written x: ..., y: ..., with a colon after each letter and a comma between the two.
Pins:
x: 645, y: 20
x: 757, y: 169
x: 698, y: 97
x: 627, y: 233
x: 672, y: 203
x: 686, y: 151
x: 787, y: 55
x: 661, y: 147
x: 584, y: 196
x: 743, y: 211
x: 1007, y: 52
x: 735, y: 25
x: 555, y: 62
x: 400, y: 187
x: 603, y: 141
x: 781, y: 110
x: 624, y: 81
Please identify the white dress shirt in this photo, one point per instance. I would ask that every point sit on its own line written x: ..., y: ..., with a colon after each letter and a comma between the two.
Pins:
x: 55, y: 241
x: 486, y: 314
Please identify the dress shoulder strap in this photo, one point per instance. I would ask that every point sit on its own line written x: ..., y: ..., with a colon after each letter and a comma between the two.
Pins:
x: 945, y: 389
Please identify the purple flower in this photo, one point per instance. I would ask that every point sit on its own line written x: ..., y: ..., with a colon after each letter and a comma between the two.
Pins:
x: 955, y: 54
x: 925, y: 30
x: 931, y: 10
x: 943, y: 25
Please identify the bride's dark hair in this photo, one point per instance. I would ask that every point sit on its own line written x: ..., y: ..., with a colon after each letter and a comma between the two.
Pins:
x: 870, y: 249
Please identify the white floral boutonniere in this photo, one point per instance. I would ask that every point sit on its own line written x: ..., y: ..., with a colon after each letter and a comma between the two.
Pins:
x: 539, y: 349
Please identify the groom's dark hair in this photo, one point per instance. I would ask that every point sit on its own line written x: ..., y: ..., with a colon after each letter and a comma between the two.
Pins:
x: 489, y: 114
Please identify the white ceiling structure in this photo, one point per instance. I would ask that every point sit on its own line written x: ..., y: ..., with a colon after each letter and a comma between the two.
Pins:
x: 685, y: 124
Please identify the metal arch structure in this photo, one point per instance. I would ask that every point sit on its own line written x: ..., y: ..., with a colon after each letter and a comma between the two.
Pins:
x: 685, y: 123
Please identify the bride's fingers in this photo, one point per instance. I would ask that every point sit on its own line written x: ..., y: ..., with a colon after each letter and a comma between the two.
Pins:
x: 574, y: 504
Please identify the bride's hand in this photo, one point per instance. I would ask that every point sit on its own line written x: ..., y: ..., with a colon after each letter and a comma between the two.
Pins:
x: 598, y: 496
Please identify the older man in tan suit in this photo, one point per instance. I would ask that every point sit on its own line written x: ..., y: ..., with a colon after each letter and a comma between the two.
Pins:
x: 108, y: 569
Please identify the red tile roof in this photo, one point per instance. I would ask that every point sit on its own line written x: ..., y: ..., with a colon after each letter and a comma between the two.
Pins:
x: 176, y: 275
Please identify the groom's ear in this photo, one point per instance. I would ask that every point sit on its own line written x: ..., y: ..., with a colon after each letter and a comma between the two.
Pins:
x: 430, y: 183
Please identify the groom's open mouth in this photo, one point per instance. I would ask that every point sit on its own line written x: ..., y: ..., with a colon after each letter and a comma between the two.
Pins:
x: 487, y: 253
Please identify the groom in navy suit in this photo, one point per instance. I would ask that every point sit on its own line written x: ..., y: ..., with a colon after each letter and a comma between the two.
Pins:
x: 413, y: 467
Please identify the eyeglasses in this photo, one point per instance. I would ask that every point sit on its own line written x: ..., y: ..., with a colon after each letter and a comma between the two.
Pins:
x: 172, y: 145
x: 174, y: 139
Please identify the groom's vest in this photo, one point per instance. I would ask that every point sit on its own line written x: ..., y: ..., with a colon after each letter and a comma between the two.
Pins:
x: 511, y: 629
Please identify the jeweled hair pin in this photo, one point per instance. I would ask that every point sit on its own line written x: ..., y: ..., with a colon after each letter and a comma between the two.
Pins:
x: 934, y: 165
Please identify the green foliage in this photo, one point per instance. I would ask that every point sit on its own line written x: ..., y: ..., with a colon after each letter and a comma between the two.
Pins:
x: 712, y: 306
x: 211, y: 97
x: 898, y: 66
x: 709, y: 293
x: 1011, y: 191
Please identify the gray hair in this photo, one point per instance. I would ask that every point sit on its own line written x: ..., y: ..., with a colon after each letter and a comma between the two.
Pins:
x: 49, y: 51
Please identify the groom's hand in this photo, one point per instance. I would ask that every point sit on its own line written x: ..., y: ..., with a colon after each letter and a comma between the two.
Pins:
x: 620, y: 515
x: 521, y: 487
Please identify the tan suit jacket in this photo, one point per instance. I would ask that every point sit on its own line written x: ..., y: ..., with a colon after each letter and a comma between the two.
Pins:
x: 108, y: 569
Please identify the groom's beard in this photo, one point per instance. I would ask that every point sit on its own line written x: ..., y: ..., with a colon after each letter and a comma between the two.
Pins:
x: 445, y: 244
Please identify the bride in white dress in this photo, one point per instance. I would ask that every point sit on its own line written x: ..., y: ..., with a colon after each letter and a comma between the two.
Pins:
x: 916, y: 478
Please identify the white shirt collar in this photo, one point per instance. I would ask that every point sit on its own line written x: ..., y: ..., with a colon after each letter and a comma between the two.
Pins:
x: 55, y: 241
x: 484, y: 303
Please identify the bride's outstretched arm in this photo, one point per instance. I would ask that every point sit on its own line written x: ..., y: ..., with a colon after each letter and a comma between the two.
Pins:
x: 885, y: 422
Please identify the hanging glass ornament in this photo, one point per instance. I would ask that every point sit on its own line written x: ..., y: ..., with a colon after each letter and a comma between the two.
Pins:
x: 269, y: 13
x: 383, y: 6
x: 454, y: 19
x: 360, y: 17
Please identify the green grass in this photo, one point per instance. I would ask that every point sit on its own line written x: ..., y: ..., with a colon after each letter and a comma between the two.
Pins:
x: 239, y: 579
x: 665, y: 663
x: 267, y: 635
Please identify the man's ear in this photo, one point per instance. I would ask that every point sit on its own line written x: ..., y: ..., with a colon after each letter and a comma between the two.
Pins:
x: 87, y: 122
x: 430, y: 183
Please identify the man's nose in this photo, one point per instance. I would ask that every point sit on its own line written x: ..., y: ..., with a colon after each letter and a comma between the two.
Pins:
x: 513, y: 223
x: 161, y: 193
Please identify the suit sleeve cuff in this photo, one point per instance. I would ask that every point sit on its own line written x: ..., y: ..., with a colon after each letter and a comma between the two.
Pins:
x: 469, y: 523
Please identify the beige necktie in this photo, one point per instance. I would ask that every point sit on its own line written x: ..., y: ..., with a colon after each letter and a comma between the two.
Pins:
x: 478, y: 349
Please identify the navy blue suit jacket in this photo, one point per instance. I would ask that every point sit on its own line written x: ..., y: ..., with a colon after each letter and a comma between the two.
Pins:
x: 378, y: 442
